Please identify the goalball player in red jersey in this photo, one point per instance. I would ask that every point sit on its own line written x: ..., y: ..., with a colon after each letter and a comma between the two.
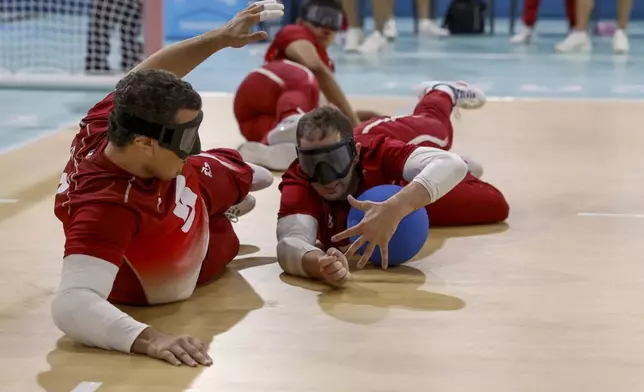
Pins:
x: 337, y: 162
x: 297, y: 67
x: 144, y: 210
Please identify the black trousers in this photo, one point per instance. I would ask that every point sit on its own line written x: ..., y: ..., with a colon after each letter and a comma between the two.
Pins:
x: 105, y: 15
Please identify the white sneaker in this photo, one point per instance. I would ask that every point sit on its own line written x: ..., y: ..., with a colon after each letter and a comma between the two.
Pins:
x: 373, y: 44
x: 276, y: 157
x: 465, y: 96
x: 241, y: 209
x: 390, y: 32
x: 352, y: 39
x: 620, y: 42
x: 429, y: 28
x: 524, y: 37
x: 285, y: 131
x: 576, y: 41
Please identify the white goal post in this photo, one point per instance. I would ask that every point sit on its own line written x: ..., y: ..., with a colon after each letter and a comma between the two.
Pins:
x: 75, y: 44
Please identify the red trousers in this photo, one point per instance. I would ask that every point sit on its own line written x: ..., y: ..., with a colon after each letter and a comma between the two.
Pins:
x: 472, y: 201
x: 269, y: 94
x: 531, y: 10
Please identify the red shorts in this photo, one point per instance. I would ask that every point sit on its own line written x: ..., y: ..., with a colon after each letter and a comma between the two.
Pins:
x: 272, y: 92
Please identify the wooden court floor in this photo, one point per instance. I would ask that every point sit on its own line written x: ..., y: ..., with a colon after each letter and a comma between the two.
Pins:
x: 551, y: 301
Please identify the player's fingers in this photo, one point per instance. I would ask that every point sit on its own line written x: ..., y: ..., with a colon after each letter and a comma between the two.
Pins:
x: 168, y: 356
x: 326, y: 261
x: 337, y: 254
x: 182, y: 355
x: 361, y: 205
x: 267, y: 9
x: 384, y: 255
x: 270, y: 14
x: 350, y: 232
x: 333, y: 268
x: 256, y: 36
x: 195, y: 352
x: 366, y: 255
x: 353, y: 248
x: 338, y: 275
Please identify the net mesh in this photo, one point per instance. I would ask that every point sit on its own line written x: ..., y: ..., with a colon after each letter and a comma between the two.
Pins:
x: 69, y: 40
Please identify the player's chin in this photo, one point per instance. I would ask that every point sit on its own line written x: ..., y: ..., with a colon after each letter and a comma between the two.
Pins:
x: 337, y: 194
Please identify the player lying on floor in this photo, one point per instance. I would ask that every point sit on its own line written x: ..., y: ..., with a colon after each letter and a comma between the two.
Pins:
x: 336, y: 163
x: 297, y: 66
x: 144, y: 210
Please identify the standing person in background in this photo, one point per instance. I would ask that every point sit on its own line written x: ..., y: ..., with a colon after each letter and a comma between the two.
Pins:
x: 530, y: 16
x: 385, y: 25
x: 579, y: 38
x: 128, y: 14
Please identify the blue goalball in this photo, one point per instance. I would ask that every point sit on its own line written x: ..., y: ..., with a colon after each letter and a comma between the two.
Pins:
x: 409, y: 237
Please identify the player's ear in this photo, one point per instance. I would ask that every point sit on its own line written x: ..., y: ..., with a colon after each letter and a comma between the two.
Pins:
x: 298, y: 21
x: 358, y: 146
x: 145, y: 144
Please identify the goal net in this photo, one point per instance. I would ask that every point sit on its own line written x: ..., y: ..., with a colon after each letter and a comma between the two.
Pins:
x: 84, y: 44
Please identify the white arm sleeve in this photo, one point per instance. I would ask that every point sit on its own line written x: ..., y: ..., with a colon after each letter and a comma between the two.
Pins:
x: 436, y: 170
x: 80, y: 308
x: 296, y: 235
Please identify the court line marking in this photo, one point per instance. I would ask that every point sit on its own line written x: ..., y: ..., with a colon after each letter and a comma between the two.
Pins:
x: 610, y: 215
x: 218, y: 94
x: 8, y: 201
x: 87, y: 386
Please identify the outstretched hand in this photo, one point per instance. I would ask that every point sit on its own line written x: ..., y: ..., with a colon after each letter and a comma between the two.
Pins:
x: 237, y: 31
x: 376, y: 229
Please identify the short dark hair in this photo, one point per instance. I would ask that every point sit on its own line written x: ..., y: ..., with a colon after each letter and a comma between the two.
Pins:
x: 153, y: 95
x: 319, y: 123
x: 335, y: 4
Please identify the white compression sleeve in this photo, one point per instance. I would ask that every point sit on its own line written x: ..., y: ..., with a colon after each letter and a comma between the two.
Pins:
x: 80, y: 308
x: 436, y: 170
x: 296, y: 235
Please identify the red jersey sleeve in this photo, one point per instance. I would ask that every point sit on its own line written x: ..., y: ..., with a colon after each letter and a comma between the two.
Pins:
x: 285, y: 37
x: 97, y: 118
x: 101, y: 230
x: 297, y: 195
x: 386, y: 155
x: 224, y: 178
x: 290, y: 34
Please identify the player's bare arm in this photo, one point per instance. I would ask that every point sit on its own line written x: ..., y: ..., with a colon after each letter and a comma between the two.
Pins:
x: 304, y: 52
x: 182, y: 57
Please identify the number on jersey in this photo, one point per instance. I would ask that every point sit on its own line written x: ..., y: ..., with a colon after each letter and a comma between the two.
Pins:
x: 63, y: 185
x: 185, y: 200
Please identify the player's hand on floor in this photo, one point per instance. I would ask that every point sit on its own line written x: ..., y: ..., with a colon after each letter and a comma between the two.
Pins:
x: 238, y: 31
x: 334, y: 268
x: 175, y: 349
x: 376, y: 229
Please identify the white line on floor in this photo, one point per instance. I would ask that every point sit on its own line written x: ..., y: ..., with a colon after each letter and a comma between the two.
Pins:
x: 87, y: 386
x: 609, y: 215
x: 8, y: 201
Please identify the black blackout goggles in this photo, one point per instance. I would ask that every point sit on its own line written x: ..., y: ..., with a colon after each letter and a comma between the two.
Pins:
x: 327, y: 164
x: 182, y: 139
x: 322, y: 16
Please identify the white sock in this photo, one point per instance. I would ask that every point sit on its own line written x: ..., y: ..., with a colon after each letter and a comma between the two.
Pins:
x: 448, y: 90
